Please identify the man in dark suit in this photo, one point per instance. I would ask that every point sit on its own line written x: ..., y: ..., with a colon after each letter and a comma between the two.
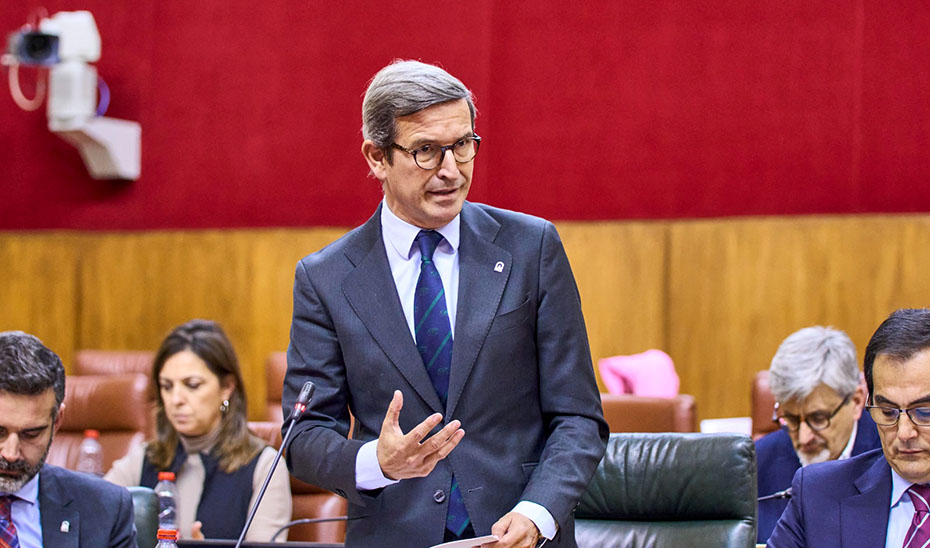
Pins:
x: 878, y: 498
x: 815, y: 379
x: 435, y: 318
x: 40, y: 504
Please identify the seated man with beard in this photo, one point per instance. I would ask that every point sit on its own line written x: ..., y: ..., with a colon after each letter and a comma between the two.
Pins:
x: 819, y: 398
x: 40, y: 504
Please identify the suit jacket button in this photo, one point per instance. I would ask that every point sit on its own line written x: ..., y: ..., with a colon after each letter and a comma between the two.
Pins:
x: 439, y: 496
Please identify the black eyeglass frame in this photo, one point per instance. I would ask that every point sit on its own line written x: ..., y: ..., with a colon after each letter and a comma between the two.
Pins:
x: 898, y: 411
x: 442, y: 152
x: 784, y: 422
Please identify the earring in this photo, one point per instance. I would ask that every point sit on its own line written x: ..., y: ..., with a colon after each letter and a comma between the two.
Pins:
x: 224, y: 407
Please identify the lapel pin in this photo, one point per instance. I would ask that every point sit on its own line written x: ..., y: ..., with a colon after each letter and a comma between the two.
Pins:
x: 65, y: 526
x: 499, y: 267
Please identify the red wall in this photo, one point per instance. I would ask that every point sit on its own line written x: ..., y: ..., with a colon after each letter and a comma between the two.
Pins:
x: 588, y: 110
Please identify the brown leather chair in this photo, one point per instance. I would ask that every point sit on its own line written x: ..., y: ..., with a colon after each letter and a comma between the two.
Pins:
x: 275, y: 368
x: 308, y: 501
x: 763, y: 403
x: 629, y: 413
x: 109, y: 362
x: 114, y: 405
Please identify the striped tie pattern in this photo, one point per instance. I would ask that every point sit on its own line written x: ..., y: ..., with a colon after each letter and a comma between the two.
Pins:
x: 8, y: 538
x: 918, y: 535
x: 434, y: 341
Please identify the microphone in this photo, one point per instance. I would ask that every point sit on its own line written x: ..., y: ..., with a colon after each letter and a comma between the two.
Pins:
x: 786, y: 494
x: 303, y: 400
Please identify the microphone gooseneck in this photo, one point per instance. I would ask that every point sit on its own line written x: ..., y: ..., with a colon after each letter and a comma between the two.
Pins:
x: 786, y: 494
x: 303, y: 399
x: 290, y: 524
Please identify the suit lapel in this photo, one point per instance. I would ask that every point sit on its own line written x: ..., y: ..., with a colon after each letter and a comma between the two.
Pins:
x: 371, y: 293
x: 480, y: 291
x: 55, y: 509
x: 864, y: 517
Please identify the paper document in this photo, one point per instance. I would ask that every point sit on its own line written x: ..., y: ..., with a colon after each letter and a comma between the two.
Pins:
x: 467, y: 542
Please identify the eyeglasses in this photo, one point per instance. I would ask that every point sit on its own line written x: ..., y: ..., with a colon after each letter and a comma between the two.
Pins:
x: 818, y: 420
x: 430, y: 155
x: 888, y: 416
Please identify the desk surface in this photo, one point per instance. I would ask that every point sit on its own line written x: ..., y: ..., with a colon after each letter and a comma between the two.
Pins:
x: 214, y: 543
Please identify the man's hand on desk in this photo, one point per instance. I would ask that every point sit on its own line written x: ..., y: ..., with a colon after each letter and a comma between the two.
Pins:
x: 412, y: 455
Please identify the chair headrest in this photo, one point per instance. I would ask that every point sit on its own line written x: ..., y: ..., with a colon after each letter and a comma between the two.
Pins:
x: 673, y: 476
x: 106, y: 402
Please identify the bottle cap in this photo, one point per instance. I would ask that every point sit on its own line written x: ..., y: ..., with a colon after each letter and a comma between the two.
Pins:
x: 166, y: 534
x: 166, y: 476
x: 91, y: 434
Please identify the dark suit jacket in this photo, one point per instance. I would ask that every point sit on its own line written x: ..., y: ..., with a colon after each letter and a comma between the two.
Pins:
x: 778, y: 461
x: 98, y: 513
x: 521, y: 383
x: 841, y: 504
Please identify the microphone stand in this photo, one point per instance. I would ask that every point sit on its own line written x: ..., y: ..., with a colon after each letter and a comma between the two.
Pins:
x: 303, y: 521
x: 302, y: 401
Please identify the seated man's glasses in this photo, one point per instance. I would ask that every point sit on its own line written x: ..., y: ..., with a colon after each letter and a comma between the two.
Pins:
x: 818, y: 420
x: 430, y: 155
x: 888, y: 416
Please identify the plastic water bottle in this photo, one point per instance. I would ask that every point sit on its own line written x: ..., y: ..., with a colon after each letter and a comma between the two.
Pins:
x: 90, y: 454
x: 167, y: 538
x: 167, y: 501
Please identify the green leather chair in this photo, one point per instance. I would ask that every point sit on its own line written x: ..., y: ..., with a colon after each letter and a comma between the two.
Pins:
x: 145, y: 506
x: 671, y: 490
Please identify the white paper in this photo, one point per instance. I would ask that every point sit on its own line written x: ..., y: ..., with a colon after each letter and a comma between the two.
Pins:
x: 467, y: 542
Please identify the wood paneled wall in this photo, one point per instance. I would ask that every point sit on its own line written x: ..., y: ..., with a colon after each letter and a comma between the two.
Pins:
x: 717, y: 295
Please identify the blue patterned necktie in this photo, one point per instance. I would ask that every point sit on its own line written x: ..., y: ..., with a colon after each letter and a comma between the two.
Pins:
x: 8, y: 537
x: 434, y: 341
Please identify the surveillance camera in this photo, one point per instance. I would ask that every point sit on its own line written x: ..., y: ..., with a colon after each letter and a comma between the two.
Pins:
x: 34, y: 48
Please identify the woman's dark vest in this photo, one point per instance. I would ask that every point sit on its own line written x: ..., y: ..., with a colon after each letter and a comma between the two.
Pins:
x: 224, y: 503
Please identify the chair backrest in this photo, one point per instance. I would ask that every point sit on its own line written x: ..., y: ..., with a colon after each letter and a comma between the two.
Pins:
x: 114, y: 405
x: 145, y: 509
x: 763, y: 402
x: 308, y: 500
x: 671, y: 489
x: 109, y: 362
x: 275, y: 368
x: 629, y: 413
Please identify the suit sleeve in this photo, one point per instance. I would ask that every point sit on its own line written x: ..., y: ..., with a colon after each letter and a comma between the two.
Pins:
x: 319, y: 452
x: 123, y: 534
x: 569, y: 397
x: 790, y: 530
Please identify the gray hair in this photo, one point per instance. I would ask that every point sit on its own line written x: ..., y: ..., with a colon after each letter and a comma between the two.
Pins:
x: 403, y: 88
x: 28, y: 367
x: 812, y: 356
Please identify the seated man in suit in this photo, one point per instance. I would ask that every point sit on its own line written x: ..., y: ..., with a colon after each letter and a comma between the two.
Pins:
x: 815, y: 379
x: 878, y: 498
x: 40, y: 504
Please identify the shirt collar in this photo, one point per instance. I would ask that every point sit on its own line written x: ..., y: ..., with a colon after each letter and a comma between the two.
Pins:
x: 28, y: 492
x: 400, y: 234
x: 899, y: 486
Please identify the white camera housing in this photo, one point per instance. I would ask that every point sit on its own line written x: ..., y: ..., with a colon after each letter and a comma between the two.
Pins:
x: 110, y: 147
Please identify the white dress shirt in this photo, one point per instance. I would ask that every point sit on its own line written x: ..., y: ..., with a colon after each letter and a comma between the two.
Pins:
x: 26, y: 515
x: 404, y: 259
x: 901, y: 512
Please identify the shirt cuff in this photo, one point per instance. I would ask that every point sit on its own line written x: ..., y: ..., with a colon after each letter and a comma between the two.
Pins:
x: 368, y: 474
x: 539, y: 516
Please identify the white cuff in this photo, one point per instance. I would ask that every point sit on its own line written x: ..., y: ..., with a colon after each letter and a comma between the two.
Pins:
x: 538, y: 515
x: 368, y: 474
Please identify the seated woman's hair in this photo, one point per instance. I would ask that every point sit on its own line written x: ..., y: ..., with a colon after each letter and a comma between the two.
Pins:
x: 206, y: 339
